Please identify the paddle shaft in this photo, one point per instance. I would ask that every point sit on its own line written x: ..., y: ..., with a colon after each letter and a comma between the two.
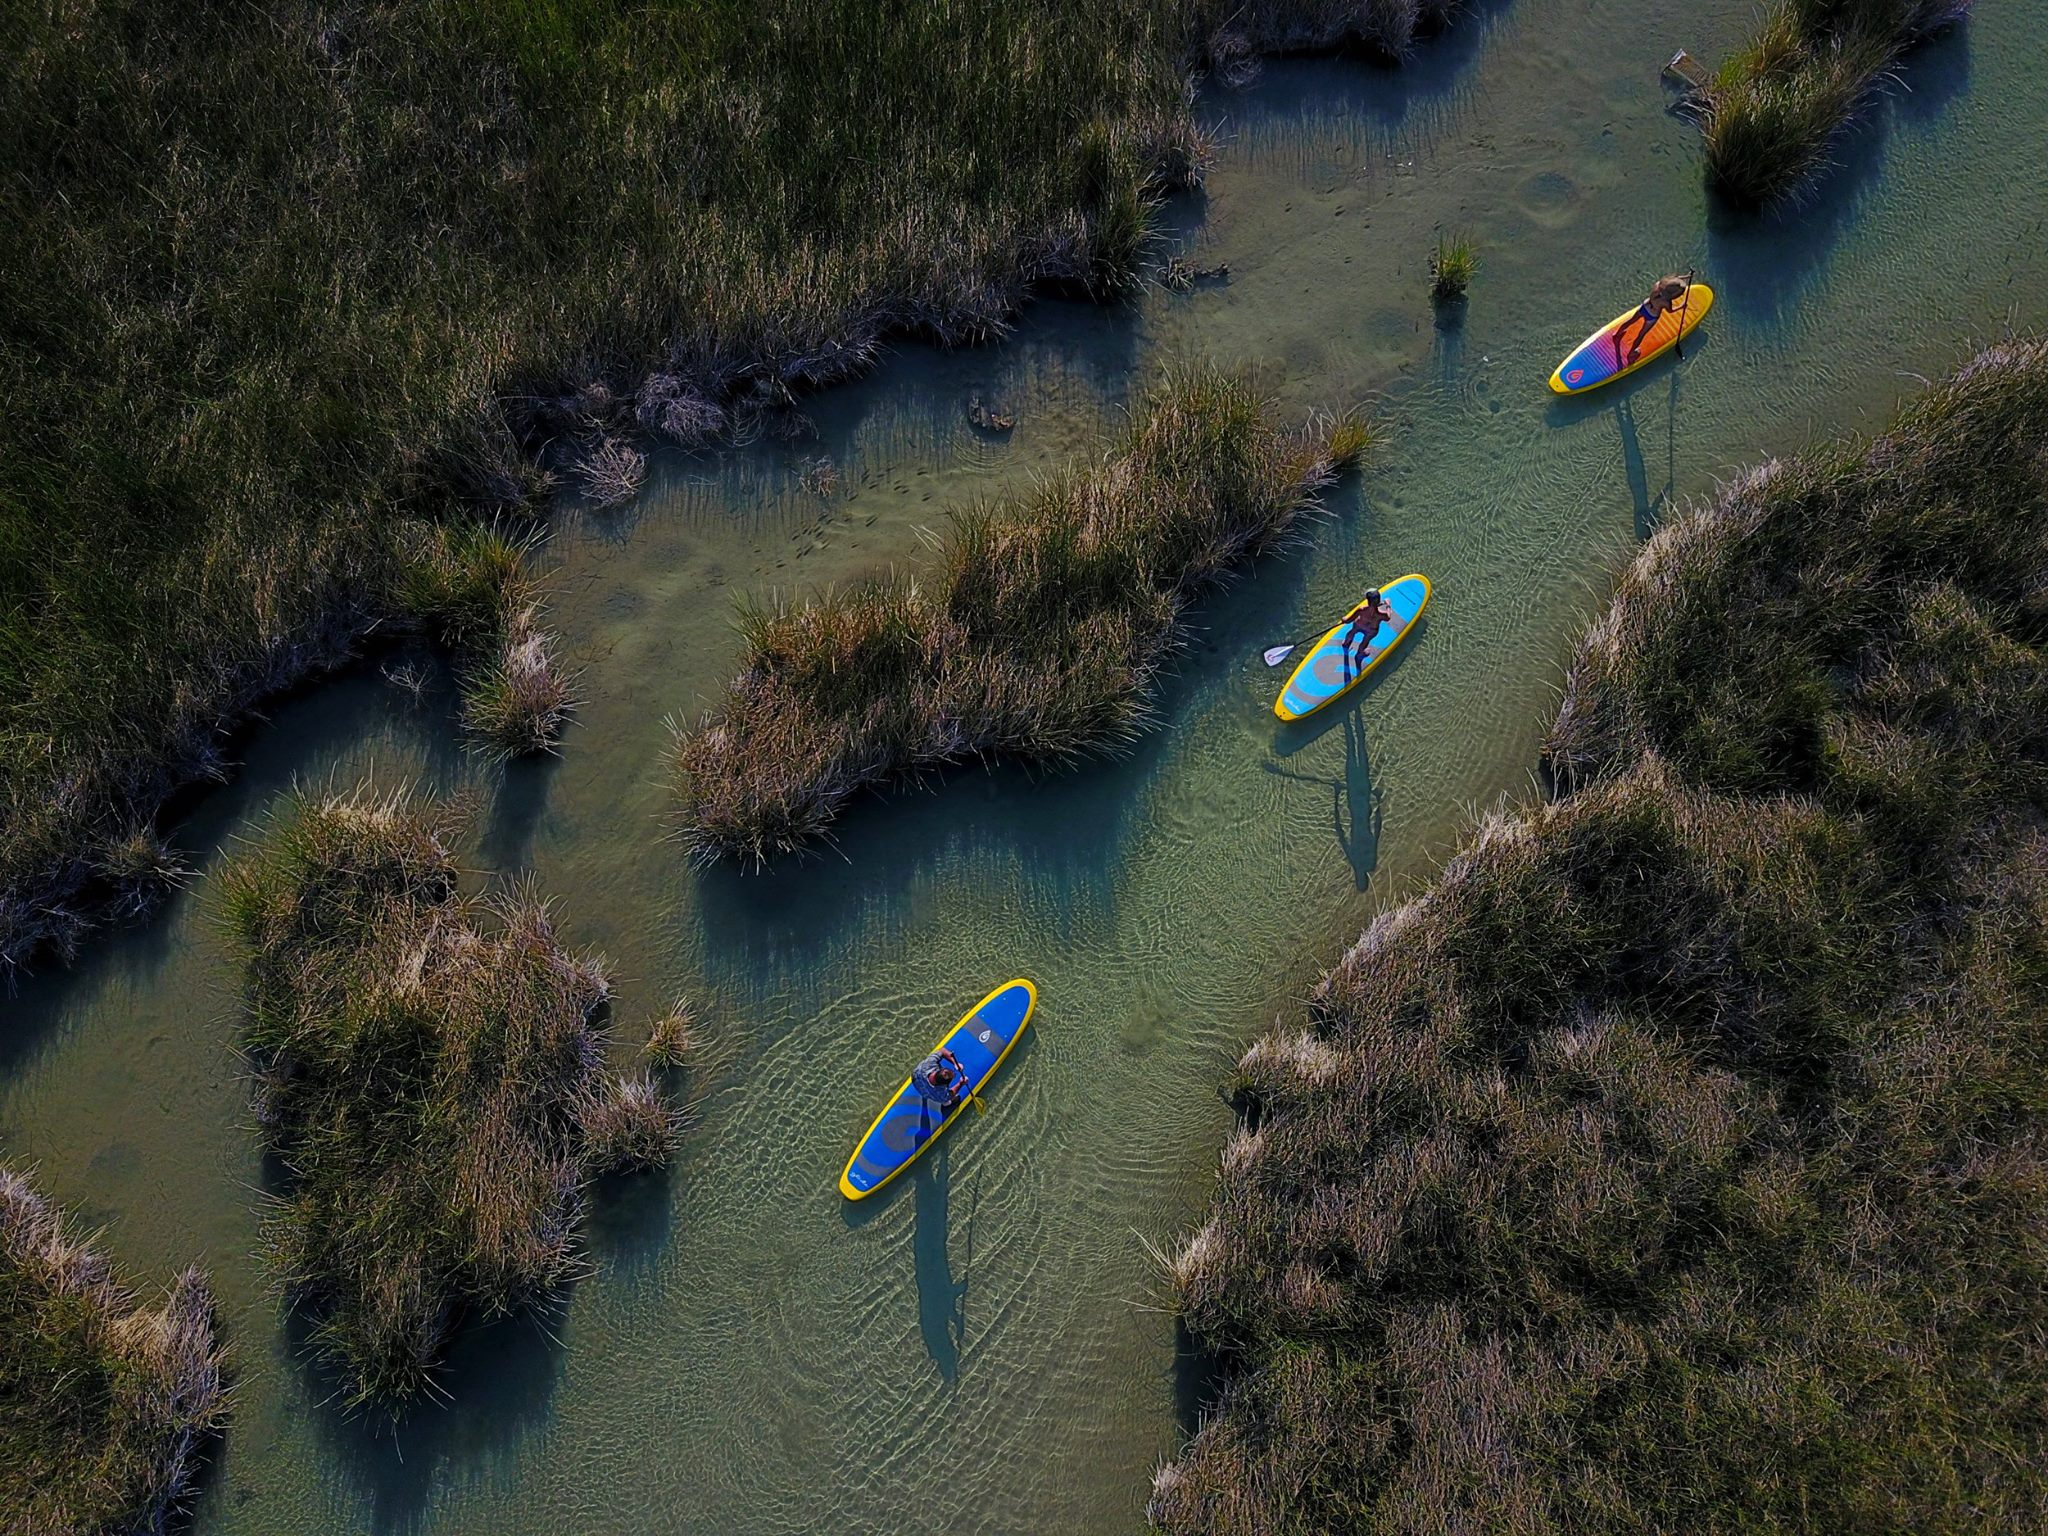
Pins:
x: 1273, y: 655
x: 1683, y: 300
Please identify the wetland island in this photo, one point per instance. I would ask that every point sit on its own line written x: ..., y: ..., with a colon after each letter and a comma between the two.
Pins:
x: 1440, y: 607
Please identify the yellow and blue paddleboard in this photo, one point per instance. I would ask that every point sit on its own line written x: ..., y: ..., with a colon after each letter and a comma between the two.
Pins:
x: 1601, y: 358
x: 1324, y: 676
x: 909, y: 1122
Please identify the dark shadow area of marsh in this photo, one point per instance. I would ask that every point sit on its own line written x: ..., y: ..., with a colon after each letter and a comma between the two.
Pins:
x: 1299, y: 110
x: 1357, y: 805
x: 499, y: 1380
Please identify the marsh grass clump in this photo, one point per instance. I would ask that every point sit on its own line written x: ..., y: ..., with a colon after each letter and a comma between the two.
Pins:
x: 673, y: 1039
x: 1036, y: 635
x: 628, y: 1126
x: 429, y: 1072
x: 104, y: 1403
x: 142, y: 868
x: 1451, y: 266
x: 1674, y: 1162
x: 472, y: 587
x: 1773, y: 108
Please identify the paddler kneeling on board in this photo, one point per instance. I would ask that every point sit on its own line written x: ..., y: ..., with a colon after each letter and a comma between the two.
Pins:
x: 937, y: 1083
x: 1668, y: 292
x: 1365, y: 621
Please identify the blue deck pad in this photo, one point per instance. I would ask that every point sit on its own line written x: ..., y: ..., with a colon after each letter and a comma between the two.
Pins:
x: 911, y: 1120
x: 1324, y: 673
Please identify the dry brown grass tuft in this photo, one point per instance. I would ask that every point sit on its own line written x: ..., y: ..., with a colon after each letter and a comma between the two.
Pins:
x: 104, y: 1404
x: 429, y: 1069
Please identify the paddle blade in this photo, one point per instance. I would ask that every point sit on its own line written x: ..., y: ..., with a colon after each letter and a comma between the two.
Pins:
x: 1279, y: 653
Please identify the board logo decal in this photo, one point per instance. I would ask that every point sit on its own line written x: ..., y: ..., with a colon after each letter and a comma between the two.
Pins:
x: 983, y: 1036
x: 1575, y: 375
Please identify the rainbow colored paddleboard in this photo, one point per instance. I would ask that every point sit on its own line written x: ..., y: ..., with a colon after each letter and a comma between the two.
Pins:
x: 1601, y: 360
x: 1324, y: 676
x: 909, y: 1122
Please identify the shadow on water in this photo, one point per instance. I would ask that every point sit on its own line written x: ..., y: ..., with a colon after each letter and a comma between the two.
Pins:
x: 499, y: 1381
x: 1769, y: 267
x: 941, y: 1298
x: 629, y: 1222
x: 1357, y: 805
x: 1307, y: 110
x: 1649, y: 506
x: 517, y: 809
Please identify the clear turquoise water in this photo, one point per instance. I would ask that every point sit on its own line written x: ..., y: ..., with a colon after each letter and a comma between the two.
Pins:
x: 980, y: 1348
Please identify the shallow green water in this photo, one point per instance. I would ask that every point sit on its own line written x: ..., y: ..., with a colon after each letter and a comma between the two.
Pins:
x: 977, y: 1349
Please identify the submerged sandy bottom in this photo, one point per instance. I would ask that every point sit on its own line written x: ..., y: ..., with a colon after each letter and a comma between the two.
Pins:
x: 977, y: 1350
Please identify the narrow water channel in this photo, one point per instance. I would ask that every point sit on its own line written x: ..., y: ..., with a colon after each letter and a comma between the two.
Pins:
x: 979, y: 1349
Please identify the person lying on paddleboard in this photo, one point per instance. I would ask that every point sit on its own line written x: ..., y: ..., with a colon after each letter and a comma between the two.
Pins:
x: 1365, y: 621
x: 1667, y: 293
x: 937, y: 1083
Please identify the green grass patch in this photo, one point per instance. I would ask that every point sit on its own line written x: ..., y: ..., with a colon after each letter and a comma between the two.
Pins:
x: 430, y: 1073
x: 1451, y: 266
x: 1674, y: 1162
x: 1036, y: 636
x: 1775, y: 106
x: 104, y: 1403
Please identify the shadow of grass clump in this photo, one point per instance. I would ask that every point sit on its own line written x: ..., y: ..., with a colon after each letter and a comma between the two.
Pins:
x: 429, y: 1073
x: 1037, y: 636
x: 1774, y: 107
x: 1674, y: 1162
x: 103, y: 1403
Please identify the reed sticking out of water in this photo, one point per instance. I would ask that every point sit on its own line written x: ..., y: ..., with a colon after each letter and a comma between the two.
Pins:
x: 1451, y: 266
x: 282, y: 280
x: 1037, y: 637
x: 1675, y: 1162
x: 672, y: 1039
x: 103, y: 1403
x: 1774, y: 108
x: 428, y: 1070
